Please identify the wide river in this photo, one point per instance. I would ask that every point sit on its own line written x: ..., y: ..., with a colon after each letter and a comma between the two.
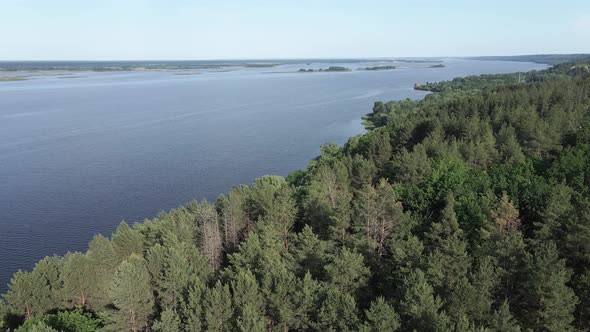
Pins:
x: 81, y: 151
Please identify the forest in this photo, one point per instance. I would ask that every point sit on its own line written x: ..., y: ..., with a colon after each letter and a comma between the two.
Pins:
x: 468, y: 210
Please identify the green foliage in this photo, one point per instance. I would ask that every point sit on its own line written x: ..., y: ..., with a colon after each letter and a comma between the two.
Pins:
x: 503, y: 321
x: 421, y: 309
x: 132, y: 294
x: 336, y: 305
x: 126, y: 242
x: 218, y: 308
x: 63, y: 321
x: 168, y: 322
x: 549, y: 302
x: 347, y: 272
x: 28, y: 294
x: 78, y: 278
x: 328, y: 200
x: 381, y: 317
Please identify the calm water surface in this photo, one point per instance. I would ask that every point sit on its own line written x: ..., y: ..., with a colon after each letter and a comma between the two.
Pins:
x: 81, y: 151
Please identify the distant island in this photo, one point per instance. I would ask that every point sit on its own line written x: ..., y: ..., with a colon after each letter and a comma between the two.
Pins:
x: 260, y: 65
x: 329, y: 69
x: 12, y: 78
x: 417, y: 60
x: 380, y: 68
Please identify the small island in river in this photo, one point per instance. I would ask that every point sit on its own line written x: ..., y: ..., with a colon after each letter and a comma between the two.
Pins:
x: 380, y: 68
x: 12, y: 78
x: 329, y: 69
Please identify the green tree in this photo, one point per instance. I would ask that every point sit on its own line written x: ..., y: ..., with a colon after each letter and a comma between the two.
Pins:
x: 234, y: 216
x: 550, y: 303
x: 305, y: 299
x: 503, y: 321
x: 126, y: 241
x: 104, y: 262
x: 132, y: 294
x: 210, y: 234
x: 248, y: 302
x: 28, y: 294
x: 168, y: 322
x: 38, y: 327
x: 191, y: 308
x: 421, y: 309
x: 218, y: 308
x: 335, y: 306
x: 328, y: 200
x: 378, y: 213
x: 63, y: 321
x: 381, y: 317
x: 78, y: 278
x: 448, y: 262
x: 310, y: 253
x: 508, y: 147
x: 347, y: 271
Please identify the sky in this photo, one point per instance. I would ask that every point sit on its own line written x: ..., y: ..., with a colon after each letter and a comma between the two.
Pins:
x: 286, y: 29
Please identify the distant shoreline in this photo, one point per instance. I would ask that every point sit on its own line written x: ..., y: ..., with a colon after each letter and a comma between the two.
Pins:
x: 12, y: 78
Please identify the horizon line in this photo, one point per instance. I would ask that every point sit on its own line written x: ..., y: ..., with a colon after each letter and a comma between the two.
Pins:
x: 291, y: 59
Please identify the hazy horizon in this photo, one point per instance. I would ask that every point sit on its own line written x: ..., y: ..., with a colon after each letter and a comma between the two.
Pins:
x: 374, y: 58
x: 68, y: 30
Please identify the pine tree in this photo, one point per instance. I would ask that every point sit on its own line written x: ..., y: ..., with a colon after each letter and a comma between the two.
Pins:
x: 175, y: 266
x: 3, y: 314
x: 335, y: 306
x: 168, y: 322
x: 234, y: 217
x: 218, y: 308
x: 78, y: 278
x: 41, y: 327
x: 549, y: 301
x: 380, y: 213
x: 305, y: 299
x: 103, y: 260
x: 48, y: 271
x: 421, y: 309
x: 250, y: 319
x: 508, y: 147
x: 211, y: 245
x: 191, y: 308
x: 411, y: 167
x: 381, y: 317
x: 503, y: 321
x: 362, y: 171
x: 132, y: 294
x: 28, y: 294
x: 347, y: 272
x: 447, y: 262
x: 126, y: 241
x: 556, y: 207
x: 248, y: 302
x: 310, y: 253
x: 282, y: 213
x: 505, y: 215
x: 328, y: 201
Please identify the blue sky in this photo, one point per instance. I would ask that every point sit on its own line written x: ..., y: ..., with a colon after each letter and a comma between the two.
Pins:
x: 223, y: 29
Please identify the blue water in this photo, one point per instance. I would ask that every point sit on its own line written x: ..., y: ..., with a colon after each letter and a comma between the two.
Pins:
x: 80, y: 151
